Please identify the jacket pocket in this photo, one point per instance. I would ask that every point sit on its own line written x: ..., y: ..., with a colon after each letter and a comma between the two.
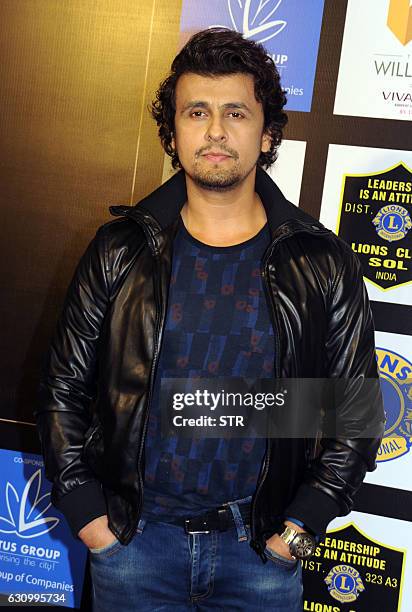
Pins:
x: 93, y: 450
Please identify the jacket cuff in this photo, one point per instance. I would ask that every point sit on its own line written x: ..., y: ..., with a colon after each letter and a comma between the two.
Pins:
x: 85, y: 503
x: 315, y: 508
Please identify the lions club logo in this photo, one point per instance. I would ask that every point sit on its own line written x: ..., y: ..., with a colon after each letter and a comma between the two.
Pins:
x: 392, y: 222
x: 344, y: 583
x: 396, y: 383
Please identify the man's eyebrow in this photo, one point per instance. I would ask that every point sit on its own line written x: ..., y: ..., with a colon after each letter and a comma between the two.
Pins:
x: 241, y: 105
x: 203, y: 104
x: 193, y: 103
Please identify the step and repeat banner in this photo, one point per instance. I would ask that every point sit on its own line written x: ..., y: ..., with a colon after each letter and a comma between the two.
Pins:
x: 365, y: 562
x: 347, y: 69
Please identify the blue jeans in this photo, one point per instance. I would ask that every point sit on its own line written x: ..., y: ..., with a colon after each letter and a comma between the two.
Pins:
x: 163, y: 568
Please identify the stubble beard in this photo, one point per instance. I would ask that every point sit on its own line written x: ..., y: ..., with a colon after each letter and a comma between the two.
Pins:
x: 218, y: 179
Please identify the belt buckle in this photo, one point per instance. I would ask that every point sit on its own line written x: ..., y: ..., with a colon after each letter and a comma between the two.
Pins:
x: 188, y: 530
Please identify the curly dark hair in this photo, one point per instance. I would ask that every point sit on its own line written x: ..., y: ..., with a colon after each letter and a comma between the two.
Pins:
x: 221, y: 51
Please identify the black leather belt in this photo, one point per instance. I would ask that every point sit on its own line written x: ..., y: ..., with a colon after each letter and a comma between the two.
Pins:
x: 220, y: 519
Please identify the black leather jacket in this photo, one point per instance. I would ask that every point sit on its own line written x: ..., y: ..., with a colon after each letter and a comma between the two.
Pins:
x: 95, y: 393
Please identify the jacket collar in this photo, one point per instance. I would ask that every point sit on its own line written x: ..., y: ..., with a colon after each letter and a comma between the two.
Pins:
x: 164, y: 205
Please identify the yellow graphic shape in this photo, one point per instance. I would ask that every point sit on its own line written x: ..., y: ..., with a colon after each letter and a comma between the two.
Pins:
x: 400, y: 20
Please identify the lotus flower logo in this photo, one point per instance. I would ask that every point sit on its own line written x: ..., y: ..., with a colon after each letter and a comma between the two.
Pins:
x: 20, y: 510
x: 251, y: 18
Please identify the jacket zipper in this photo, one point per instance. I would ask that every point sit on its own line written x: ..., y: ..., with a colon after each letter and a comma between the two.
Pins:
x: 257, y: 545
x: 159, y: 325
x: 158, y: 334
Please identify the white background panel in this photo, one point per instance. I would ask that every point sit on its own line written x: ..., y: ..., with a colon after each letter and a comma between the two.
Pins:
x: 363, y: 86
x: 287, y: 170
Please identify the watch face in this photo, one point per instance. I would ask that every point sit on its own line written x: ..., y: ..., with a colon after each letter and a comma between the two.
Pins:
x: 303, y: 546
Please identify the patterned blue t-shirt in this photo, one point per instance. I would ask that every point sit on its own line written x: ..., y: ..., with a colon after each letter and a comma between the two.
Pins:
x: 217, y: 325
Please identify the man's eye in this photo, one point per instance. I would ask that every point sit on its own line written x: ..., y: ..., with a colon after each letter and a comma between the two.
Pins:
x: 235, y: 113
x: 194, y: 112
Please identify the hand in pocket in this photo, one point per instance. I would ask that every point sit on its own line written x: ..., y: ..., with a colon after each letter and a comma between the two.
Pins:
x: 97, y: 534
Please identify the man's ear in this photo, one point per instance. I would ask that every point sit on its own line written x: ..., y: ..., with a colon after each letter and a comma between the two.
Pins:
x: 266, y: 142
x: 173, y: 143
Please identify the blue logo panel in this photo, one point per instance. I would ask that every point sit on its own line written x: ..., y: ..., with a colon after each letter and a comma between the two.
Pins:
x: 40, y: 561
x: 395, y: 373
x: 289, y: 30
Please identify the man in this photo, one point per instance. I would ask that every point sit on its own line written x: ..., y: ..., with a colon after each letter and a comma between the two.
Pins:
x: 213, y: 275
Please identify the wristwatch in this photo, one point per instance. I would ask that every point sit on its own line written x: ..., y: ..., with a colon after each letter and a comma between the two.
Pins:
x: 301, y: 544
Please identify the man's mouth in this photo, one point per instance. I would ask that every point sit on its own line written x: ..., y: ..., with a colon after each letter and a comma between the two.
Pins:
x: 216, y: 157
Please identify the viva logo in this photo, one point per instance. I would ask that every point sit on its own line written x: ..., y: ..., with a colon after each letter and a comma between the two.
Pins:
x: 27, y: 519
x: 251, y: 17
x: 395, y: 373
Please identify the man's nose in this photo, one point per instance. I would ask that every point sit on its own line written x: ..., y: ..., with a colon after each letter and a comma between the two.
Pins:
x: 215, y: 130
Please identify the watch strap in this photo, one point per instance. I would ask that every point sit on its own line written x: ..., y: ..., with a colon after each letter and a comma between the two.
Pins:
x: 288, y: 534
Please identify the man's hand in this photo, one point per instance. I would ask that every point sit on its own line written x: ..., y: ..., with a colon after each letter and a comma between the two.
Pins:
x: 276, y: 543
x: 97, y: 534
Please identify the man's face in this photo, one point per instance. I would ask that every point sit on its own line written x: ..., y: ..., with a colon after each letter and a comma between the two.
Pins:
x: 219, y: 115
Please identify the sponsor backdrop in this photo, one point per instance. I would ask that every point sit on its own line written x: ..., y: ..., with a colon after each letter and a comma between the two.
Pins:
x: 376, y: 41
x: 362, y: 564
x: 77, y: 137
x: 39, y: 560
x: 289, y: 30
x: 366, y: 200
